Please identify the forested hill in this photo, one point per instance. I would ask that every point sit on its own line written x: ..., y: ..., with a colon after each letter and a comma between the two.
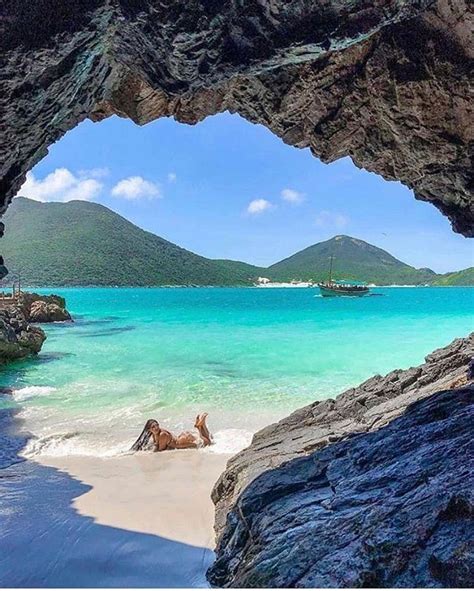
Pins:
x: 353, y: 259
x: 82, y: 243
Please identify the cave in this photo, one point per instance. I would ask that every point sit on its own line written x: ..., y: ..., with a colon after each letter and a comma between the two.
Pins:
x: 385, y: 84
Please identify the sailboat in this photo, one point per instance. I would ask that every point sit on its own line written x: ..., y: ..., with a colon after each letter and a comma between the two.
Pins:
x: 332, y: 288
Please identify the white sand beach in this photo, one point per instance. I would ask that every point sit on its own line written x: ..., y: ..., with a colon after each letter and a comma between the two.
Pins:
x: 143, y: 520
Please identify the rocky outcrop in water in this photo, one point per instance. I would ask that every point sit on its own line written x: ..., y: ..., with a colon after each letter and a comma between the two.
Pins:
x: 283, y: 485
x: 43, y: 312
x: 386, y: 83
x: 43, y: 308
x: 18, y: 338
x: 390, y: 508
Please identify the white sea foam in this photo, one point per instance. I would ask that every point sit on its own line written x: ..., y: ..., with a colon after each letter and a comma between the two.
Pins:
x: 72, y: 444
x: 230, y: 441
x: 31, y: 392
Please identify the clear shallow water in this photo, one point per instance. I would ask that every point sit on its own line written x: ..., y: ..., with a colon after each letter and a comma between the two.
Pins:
x: 246, y: 356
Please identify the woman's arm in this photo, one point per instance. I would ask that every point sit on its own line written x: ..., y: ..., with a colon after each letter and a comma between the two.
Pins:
x: 164, y: 441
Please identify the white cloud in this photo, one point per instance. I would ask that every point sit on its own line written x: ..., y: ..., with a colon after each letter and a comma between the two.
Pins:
x: 331, y: 219
x: 84, y: 190
x: 258, y: 206
x: 136, y: 187
x: 172, y: 177
x: 292, y: 196
x: 60, y: 185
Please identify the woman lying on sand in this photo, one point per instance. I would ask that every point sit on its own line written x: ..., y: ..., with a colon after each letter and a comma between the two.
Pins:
x: 165, y: 440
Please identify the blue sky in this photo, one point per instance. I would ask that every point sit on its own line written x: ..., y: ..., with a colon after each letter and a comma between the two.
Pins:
x: 226, y: 188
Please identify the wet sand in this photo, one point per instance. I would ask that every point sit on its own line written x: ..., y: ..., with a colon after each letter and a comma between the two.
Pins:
x: 143, y: 520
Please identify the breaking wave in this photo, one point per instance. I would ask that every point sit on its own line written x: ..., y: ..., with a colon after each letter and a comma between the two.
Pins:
x: 31, y: 392
x: 230, y: 441
x: 70, y: 444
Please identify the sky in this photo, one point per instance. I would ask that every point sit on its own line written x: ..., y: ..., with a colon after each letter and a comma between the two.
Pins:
x: 226, y: 188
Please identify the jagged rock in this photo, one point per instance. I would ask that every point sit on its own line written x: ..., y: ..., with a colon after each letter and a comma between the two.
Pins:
x: 386, y: 83
x: 43, y: 312
x: 43, y: 308
x: 18, y: 338
x: 390, y: 508
x: 368, y: 407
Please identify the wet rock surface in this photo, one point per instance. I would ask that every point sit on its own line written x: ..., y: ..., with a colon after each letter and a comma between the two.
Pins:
x: 390, y: 508
x: 385, y: 83
x: 18, y: 338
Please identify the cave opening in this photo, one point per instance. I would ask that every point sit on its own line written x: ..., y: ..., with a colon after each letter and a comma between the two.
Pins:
x: 224, y: 189
x: 386, y: 85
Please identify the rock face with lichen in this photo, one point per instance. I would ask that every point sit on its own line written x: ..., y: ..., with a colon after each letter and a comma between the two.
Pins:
x: 331, y: 496
x: 18, y: 338
x: 385, y: 83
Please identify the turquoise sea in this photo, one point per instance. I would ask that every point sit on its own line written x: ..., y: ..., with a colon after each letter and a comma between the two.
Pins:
x: 246, y: 356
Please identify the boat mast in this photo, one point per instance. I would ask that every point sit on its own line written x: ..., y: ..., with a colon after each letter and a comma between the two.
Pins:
x: 330, y: 269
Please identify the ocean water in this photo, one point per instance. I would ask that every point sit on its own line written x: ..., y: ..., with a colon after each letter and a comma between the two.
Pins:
x: 246, y: 356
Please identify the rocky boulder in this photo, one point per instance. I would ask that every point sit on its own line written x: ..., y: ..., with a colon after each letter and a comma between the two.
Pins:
x: 389, y: 508
x: 43, y: 308
x: 18, y: 338
x: 41, y: 311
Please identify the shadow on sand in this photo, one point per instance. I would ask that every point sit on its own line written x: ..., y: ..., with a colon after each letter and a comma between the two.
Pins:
x: 45, y: 542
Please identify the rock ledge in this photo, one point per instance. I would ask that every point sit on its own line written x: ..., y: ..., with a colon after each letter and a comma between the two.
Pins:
x: 391, y: 508
x: 327, y: 483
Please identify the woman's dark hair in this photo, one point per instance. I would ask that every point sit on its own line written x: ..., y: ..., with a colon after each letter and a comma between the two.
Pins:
x: 145, y: 435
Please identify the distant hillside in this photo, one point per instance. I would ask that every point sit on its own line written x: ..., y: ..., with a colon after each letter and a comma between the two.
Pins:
x: 465, y: 277
x: 353, y: 260
x: 83, y: 243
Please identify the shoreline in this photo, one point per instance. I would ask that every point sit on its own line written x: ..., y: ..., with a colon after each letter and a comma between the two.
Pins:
x: 121, y: 520
x: 267, y: 286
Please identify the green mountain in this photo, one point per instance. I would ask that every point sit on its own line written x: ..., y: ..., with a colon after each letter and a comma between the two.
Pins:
x: 354, y: 259
x: 83, y: 243
x: 464, y: 277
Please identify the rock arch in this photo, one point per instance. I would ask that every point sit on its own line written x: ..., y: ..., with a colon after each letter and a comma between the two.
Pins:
x: 386, y: 82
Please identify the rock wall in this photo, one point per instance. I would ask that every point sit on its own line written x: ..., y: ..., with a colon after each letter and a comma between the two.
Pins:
x: 385, y: 83
x: 368, y: 407
x: 390, y: 508
x: 373, y: 488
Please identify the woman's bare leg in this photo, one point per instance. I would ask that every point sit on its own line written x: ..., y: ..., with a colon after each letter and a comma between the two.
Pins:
x: 204, y: 432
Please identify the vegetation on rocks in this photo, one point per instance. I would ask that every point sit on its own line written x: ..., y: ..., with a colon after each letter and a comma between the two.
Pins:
x: 464, y: 277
